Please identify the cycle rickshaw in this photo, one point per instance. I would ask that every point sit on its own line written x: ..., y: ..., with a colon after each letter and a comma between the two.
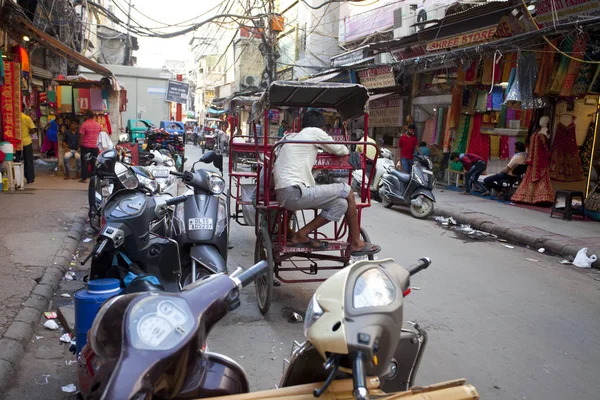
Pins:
x: 271, y: 221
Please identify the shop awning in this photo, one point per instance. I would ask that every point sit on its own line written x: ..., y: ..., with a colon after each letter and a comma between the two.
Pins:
x: 324, y: 78
x: 379, y: 96
x: 24, y: 26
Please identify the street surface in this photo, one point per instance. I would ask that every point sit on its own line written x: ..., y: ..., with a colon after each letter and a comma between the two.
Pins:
x: 515, y: 323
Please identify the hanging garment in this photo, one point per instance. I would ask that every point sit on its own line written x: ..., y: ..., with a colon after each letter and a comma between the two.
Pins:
x: 509, y: 64
x: 488, y: 69
x: 10, y: 101
x: 460, y: 143
x: 563, y: 67
x: 504, y: 147
x: 481, y: 101
x: 84, y: 100
x: 428, y: 131
x: 574, y: 66
x: 479, y: 144
x: 495, y: 147
x: 448, y: 130
x: 535, y: 186
x: 456, y: 106
x: 66, y: 99
x: 545, y: 70
x: 511, y: 146
x: 441, y: 125
x: 587, y: 148
x: 584, y: 79
x: 96, y: 99
x: 565, y: 164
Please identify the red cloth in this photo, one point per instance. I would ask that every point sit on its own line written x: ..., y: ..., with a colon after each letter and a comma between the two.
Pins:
x: 10, y: 101
x: 469, y: 159
x: 407, y: 145
x: 503, y: 147
x: 536, y: 186
x: 89, y: 131
x: 479, y: 144
x: 565, y: 162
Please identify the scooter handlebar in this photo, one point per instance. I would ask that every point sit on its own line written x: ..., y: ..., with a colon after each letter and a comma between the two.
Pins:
x: 176, y: 200
x: 178, y: 174
x: 422, y: 264
x: 251, y: 274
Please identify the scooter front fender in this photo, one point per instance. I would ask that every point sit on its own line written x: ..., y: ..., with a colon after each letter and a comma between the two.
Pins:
x: 209, y: 257
x: 423, y: 191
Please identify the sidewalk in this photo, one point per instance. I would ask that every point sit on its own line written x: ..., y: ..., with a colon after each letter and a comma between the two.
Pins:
x: 530, y: 226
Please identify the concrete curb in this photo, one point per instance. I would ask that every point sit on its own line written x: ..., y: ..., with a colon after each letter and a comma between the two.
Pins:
x: 14, y: 341
x: 553, y: 243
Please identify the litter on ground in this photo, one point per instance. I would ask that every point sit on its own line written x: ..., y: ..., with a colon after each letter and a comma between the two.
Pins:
x: 51, y: 324
x: 70, y: 388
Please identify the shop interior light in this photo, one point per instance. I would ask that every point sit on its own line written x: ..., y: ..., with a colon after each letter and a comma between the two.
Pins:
x: 26, y: 38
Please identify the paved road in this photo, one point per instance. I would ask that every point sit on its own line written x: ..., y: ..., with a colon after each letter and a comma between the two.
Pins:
x: 515, y: 328
x: 514, y: 322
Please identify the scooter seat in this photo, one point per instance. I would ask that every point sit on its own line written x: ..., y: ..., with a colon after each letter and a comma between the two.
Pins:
x: 403, y: 176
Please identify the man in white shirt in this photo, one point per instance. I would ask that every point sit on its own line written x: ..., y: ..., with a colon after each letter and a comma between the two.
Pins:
x: 296, y: 188
x: 507, y: 175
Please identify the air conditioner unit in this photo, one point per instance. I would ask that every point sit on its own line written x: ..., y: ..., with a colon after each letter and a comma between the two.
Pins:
x: 251, y: 80
x: 432, y: 12
x: 403, y: 19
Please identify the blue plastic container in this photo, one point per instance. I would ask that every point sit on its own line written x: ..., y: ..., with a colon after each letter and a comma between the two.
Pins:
x: 87, y: 304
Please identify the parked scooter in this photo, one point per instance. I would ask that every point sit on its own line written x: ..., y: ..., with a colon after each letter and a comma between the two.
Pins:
x: 162, y: 163
x: 104, y: 182
x: 200, y: 223
x: 385, y: 160
x: 135, y: 237
x: 149, y: 345
x: 413, y: 190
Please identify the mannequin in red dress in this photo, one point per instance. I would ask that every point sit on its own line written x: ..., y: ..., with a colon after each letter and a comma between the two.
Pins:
x: 536, y: 186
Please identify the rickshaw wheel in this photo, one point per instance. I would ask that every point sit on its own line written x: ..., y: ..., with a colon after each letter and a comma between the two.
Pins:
x: 263, y: 250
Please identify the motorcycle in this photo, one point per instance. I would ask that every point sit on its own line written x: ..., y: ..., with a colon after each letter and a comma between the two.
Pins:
x: 200, y: 223
x: 162, y: 163
x: 104, y: 182
x: 135, y: 237
x: 149, y: 345
x: 413, y: 190
x: 385, y: 160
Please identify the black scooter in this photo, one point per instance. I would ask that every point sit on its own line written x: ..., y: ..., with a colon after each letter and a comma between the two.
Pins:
x: 413, y: 190
x: 200, y: 223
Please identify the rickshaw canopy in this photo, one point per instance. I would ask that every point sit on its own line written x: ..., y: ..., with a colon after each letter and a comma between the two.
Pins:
x: 348, y: 99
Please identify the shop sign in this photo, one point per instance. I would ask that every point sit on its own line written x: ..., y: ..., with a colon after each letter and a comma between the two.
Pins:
x: 463, y: 39
x: 177, y: 92
x: 348, y: 59
x: 385, y: 112
x: 565, y: 10
x: 377, y: 77
x: 363, y: 24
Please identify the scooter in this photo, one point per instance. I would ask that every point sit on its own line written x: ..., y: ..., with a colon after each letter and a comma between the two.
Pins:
x: 385, y: 160
x: 149, y: 345
x: 162, y: 163
x: 200, y: 223
x: 134, y: 240
x: 413, y: 190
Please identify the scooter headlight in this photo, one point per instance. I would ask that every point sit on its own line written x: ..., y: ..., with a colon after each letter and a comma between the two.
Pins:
x: 149, y: 184
x: 169, y: 162
x: 313, y: 313
x: 373, y: 288
x: 216, y: 184
x: 126, y: 176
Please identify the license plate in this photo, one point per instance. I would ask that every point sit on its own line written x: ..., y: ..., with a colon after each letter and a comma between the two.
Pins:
x: 196, y: 224
x: 160, y: 173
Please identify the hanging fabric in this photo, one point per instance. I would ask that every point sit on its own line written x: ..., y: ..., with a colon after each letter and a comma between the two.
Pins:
x: 96, y: 99
x: 545, y: 70
x: 460, y: 144
x: 586, y: 149
x: 574, y: 66
x: 494, y: 147
x: 479, y: 144
x: 428, y: 131
x: 481, y: 101
x: 10, y: 101
x: 503, y: 147
x: 565, y: 162
x: 448, y: 130
x: 84, y: 100
x: 456, y: 106
x: 508, y: 66
x: 563, y: 67
x: 488, y: 69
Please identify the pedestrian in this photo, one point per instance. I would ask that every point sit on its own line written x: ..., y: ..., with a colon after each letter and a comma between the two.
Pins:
x: 474, y: 166
x: 507, y: 175
x: 51, y: 139
x: 408, y: 146
x: 89, y: 131
x: 104, y: 142
x: 424, y: 150
x: 259, y: 130
x: 71, y: 143
x: 27, y: 128
x: 282, y: 128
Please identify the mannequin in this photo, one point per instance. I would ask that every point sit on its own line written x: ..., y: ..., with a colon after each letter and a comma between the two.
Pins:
x: 535, y: 186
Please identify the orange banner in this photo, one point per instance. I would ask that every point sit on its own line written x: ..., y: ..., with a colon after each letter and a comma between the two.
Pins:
x: 464, y: 39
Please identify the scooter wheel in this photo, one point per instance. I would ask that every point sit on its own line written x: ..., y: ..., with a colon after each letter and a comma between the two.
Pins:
x: 385, y: 200
x: 424, y: 211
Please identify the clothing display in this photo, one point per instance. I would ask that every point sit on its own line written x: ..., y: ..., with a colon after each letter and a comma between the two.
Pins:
x: 10, y: 102
x: 563, y: 67
x: 428, y: 131
x: 479, y: 144
x: 545, y: 71
x: 535, y: 186
x: 587, y: 148
x: 574, y: 66
x: 565, y: 162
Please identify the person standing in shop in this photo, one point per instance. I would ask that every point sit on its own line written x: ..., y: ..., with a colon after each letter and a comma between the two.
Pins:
x: 71, y: 142
x: 89, y: 131
x: 282, y: 128
x: 473, y: 166
x: 408, y: 146
x: 27, y: 128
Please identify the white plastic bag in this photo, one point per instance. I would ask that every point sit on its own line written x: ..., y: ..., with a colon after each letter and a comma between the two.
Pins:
x: 582, y: 260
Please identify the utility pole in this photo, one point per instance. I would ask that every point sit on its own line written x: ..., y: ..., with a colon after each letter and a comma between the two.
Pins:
x: 128, y: 47
x: 268, y: 47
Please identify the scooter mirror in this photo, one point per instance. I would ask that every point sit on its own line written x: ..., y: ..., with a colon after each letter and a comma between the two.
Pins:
x: 213, y: 157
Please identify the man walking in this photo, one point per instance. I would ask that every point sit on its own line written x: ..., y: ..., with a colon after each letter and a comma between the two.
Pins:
x: 474, y: 166
x: 27, y: 128
x: 89, y: 132
x: 408, y: 145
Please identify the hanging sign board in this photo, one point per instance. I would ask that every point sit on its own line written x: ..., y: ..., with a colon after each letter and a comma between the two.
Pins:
x: 177, y: 92
x: 377, y: 77
x: 463, y: 39
x: 386, y: 112
x: 565, y: 10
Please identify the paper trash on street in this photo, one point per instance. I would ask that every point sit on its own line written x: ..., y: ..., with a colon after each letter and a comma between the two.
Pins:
x: 70, y: 388
x: 51, y: 324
